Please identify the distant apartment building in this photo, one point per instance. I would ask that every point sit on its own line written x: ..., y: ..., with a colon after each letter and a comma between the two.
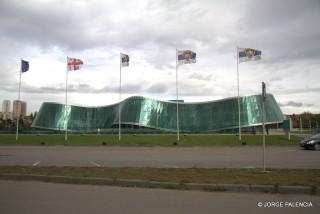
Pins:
x: 6, y: 110
x: 9, y: 116
x: 19, y: 109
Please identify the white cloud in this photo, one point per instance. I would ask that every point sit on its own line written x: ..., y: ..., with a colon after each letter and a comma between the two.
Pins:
x: 46, y: 32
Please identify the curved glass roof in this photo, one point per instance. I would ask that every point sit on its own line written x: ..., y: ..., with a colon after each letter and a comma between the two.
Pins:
x: 193, y: 117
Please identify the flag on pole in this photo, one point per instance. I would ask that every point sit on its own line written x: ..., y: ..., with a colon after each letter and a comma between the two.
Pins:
x: 74, y: 64
x: 186, y: 57
x: 248, y: 54
x: 124, y: 60
x: 24, y: 66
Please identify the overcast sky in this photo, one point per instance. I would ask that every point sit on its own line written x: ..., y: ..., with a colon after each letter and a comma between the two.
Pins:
x: 46, y: 32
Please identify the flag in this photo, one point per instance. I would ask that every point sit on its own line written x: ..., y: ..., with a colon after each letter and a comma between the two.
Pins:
x: 24, y: 66
x: 186, y: 57
x: 124, y: 60
x: 74, y: 64
x: 248, y: 54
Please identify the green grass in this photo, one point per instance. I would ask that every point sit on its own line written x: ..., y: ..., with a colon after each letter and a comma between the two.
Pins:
x: 191, y: 175
x: 306, y: 131
x: 146, y: 140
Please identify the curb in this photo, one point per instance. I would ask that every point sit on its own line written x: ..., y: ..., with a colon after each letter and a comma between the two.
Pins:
x: 306, y: 190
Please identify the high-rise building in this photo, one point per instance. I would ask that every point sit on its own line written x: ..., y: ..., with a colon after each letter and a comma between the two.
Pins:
x: 5, y: 109
x: 19, y: 109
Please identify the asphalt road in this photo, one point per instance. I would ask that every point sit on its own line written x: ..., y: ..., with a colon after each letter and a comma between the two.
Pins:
x: 207, y: 157
x: 26, y: 197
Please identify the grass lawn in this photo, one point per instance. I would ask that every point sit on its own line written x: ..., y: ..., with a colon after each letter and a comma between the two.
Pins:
x: 145, y: 140
x: 193, y: 175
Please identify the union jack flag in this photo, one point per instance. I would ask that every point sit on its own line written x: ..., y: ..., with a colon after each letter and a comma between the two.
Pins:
x: 74, y: 64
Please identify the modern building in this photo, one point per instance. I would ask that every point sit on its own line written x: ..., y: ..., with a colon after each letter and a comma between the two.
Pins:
x: 5, y: 109
x: 206, y: 117
x: 19, y: 109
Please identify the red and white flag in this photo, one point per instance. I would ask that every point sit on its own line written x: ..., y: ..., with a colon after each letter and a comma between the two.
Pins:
x: 74, y: 64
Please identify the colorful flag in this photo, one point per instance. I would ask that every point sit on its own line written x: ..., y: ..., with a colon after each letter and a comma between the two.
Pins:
x: 248, y: 54
x: 124, y: 60
x: 24, y: 66
x: 74, y: 64
x: 186, y: 57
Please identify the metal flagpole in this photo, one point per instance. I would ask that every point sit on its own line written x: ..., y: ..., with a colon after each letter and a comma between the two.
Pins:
x: 177, y: 96
x: 17, y: 107
x: 239, y: 118
x: 290, y: 127
x: 65, y: 118
x: 120, y: 101
x: 310, y: 126
x: 263, y: 126
x: 263, y: 138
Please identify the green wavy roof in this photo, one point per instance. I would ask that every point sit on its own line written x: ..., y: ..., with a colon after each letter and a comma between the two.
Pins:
x: 193, y: 117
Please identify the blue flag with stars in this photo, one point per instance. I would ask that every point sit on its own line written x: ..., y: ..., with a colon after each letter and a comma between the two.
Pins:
x: 24, y: 66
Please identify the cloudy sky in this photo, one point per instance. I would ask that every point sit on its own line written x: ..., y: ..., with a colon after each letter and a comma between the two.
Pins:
x: 46, y: 32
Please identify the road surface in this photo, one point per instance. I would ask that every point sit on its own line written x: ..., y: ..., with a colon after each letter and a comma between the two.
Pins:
x: 26, y: 197
x: 207, y: 157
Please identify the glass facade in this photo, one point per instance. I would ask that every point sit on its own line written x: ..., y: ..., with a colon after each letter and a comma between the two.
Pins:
x: 145, y: 112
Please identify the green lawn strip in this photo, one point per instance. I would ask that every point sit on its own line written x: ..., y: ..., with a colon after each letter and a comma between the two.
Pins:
x: 305, y: 131
x: 191, y: 175
x: 146, y: 140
